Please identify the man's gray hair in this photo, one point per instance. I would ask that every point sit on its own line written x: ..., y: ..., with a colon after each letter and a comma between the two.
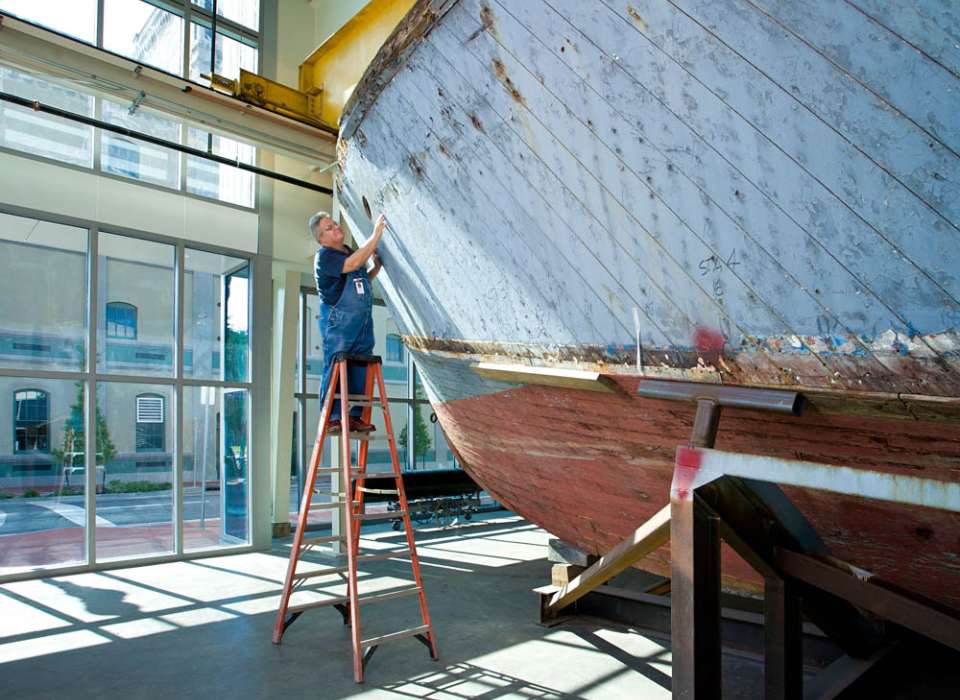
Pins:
x: 315, y: 220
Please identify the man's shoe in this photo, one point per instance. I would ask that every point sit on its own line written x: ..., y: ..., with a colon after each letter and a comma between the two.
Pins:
x: 358, y: 425
x: 334, y: 426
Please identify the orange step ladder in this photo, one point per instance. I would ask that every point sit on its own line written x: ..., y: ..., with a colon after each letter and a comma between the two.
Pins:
x: 352, y: 481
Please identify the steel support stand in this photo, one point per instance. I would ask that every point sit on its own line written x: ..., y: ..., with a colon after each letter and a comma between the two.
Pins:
x: 783, y: 653
x: 695, y: 579
x: 695, y: 601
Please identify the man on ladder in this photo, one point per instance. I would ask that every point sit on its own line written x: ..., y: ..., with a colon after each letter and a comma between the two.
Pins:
x: 347, y: 326
x: 346, y: 318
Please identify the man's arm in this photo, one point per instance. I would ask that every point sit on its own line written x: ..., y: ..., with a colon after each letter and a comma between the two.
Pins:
x: 359, y: 257
x: 377, y: 264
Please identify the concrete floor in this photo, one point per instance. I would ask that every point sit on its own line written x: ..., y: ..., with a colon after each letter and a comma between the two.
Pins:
x: 202, y: 629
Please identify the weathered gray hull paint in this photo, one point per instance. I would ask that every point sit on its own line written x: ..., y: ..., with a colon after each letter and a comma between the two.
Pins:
x: 756, y: 191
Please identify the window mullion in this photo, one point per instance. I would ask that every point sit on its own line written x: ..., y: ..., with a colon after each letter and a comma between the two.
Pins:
x: 411, y: 395
x: 177, y: 411
x: 90, y: 395
x: 225, y: 26
x: 99, y: 39
x: 304, y: 327
x: 185, y: 72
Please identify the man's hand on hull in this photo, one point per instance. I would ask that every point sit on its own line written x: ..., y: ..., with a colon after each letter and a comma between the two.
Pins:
x: 379, y: 226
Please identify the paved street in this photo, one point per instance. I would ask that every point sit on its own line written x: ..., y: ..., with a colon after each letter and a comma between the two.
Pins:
x: 20, y: 515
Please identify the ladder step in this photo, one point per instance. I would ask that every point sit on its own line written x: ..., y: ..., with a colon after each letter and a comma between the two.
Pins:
x: 405, y: 552
x: 339, y: 494
x: 363, y: 600
x: 320, y: 572
x: 326, y: 506
x: 371, y: 436
x: 389, y: 515
x: 354, y: 473
x: 413, y: 631
x: 340, y: 600
x: 380, y: 491
x: 326, y: 539
x: 381, y: 597
x: 358, y: 400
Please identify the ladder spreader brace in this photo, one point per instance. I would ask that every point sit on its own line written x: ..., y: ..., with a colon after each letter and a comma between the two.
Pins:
x: 350, y: 502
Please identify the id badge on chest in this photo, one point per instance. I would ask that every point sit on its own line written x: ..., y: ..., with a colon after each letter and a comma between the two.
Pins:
x: 358, y: 284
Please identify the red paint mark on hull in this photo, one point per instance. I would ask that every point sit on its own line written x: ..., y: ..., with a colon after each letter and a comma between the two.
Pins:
x: 708, y: 340
x: 685, y: 471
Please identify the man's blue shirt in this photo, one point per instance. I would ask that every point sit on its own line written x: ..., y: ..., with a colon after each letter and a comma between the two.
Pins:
x: 328, y: 273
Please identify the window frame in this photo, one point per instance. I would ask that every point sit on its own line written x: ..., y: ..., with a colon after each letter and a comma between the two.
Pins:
x: 92, y: 378
x: 46, y: 422
x: 189, y: 13
x: 395, y: 342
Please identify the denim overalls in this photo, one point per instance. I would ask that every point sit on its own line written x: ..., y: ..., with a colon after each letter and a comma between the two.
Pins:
x: 347, y: 326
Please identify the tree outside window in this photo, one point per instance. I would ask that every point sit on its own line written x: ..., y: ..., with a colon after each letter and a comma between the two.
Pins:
x: 71, y: 453
x: 421, y: 436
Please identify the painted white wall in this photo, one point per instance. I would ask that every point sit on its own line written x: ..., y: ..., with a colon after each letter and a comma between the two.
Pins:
x: 302, y: 27
x: 330, y: 15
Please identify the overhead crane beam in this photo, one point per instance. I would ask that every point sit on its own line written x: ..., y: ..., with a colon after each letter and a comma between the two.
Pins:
x: 90, y: 69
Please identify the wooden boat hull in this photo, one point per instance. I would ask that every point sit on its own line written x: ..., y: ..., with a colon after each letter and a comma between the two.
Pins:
x: 750, y: 192
x: 590, y: 467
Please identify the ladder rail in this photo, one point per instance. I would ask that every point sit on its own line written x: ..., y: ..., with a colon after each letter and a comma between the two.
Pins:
x: 288, y: 586
x: 346, y: 463
x: 405, y: 510
x: 363, y: 452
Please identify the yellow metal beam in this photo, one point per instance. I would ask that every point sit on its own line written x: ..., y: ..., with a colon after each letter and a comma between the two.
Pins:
x: 331, y: 72
x: 278, y: 98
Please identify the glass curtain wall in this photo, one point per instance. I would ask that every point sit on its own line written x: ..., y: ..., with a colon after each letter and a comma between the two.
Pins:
x: 145, y: 346
x: 410, y: 411
x: 175, y: 36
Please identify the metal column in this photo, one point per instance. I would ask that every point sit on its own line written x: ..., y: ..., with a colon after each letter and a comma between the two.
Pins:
x: 783, y: 655
x: 695, y: 595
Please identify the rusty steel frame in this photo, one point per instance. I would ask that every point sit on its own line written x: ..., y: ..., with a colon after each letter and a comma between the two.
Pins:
x: 741, y: 619
x: 900, y: 607
x: 783, y: 653
x: 775, y: 400
x: 706, y: 479
x: 695, y: 600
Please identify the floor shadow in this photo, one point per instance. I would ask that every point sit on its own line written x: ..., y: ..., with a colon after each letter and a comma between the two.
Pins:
x: 98, y: 601
x: 494, y: 684
x: 639, y: 664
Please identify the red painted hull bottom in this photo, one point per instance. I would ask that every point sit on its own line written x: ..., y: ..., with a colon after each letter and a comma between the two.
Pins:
x: 590, y: 467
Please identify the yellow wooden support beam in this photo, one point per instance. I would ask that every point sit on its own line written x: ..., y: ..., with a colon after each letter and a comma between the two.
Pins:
x: 331, y: 72
x: 645, y: 539
x: 547, y: 376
